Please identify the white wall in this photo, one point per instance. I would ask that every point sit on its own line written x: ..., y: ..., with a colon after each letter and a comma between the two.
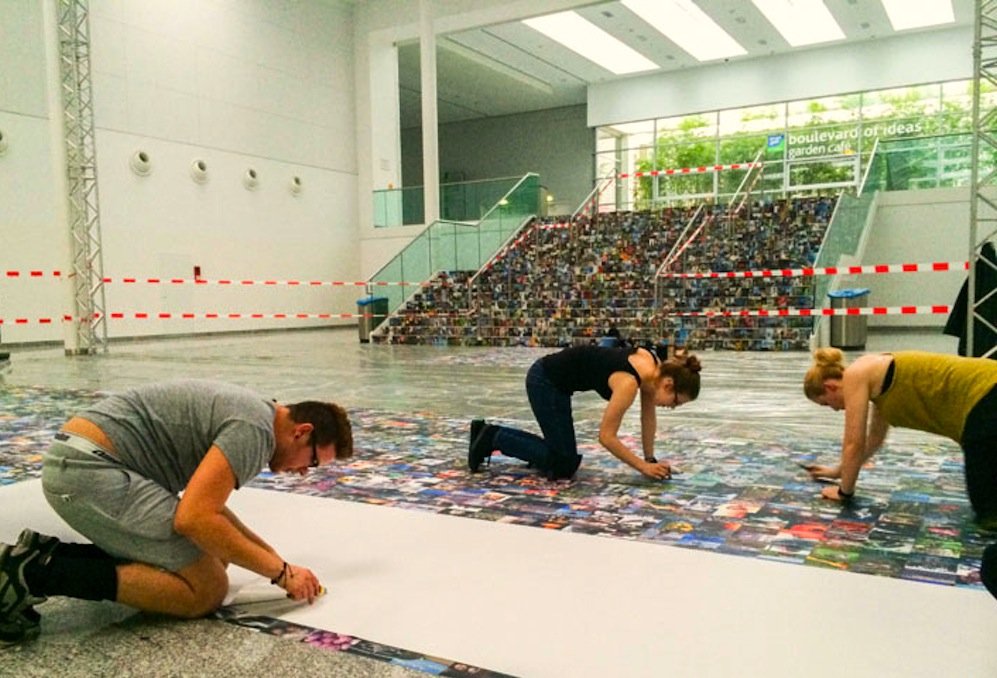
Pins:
x: 31, y: 238
x: 556, y: 144
x: 839, y: 69
x: 379, y: 24
x: 915, y: 227
x: 235, y: 84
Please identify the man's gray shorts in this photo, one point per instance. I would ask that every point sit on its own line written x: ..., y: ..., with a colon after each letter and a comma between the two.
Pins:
x: 119, y: 510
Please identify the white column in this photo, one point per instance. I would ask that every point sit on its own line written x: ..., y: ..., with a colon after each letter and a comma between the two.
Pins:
x: 57, y: 146
x: 430, y: 141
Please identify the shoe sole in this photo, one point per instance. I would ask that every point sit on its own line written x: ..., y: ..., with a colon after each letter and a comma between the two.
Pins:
x: 44, y: 544
x: 21, y: 629
x: 471, y: 453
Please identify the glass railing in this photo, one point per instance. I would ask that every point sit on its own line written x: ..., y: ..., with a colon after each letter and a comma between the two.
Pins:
x: 940, y: 161
x: 843, y: 236
x: 844, y: 232
x: 450, y: 245
x: 398, y: 207
x: 466, y: 201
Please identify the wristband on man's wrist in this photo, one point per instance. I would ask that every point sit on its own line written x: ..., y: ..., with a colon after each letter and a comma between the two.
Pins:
x: 845, y: 495
x: 282, y: 576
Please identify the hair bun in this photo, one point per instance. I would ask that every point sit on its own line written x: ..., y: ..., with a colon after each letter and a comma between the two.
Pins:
x: 829, y: 355
x: 685, y: 359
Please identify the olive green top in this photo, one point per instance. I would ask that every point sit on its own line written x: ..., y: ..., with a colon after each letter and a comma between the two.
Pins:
x: 934, y: 392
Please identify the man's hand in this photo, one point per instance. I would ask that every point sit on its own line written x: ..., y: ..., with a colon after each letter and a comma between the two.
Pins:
x: 659, y: 470
x: 300, y: 583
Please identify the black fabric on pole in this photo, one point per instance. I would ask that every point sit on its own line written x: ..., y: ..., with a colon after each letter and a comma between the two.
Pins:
x: 984, y: 338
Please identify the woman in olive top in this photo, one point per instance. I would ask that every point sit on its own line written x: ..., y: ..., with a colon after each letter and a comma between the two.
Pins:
x: 616, y: 374
x: 942, y: 394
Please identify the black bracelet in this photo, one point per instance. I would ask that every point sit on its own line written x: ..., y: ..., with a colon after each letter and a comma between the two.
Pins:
x: 845, y: 495
x: 282, y: 575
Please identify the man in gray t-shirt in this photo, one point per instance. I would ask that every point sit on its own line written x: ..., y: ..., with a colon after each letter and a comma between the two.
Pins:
x: 115, y: 473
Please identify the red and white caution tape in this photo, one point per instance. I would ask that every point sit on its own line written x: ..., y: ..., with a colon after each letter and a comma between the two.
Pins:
x: 167, y: 315
x: 933, y: 267
x: 702, y: 169
x: 937, y: 266
x: 814, y: 312
x: 264, y: 283
x: 758, y: 313
x: 32, y: 274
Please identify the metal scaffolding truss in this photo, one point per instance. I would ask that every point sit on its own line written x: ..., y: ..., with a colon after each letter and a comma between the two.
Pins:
x: 89, y: 318
x: 983, y: 208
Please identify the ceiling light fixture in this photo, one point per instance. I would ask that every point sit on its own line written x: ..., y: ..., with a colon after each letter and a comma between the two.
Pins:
x: 907, y: 14
x: 687, y: 26
x: 801, y: 22
x: 591, y: 42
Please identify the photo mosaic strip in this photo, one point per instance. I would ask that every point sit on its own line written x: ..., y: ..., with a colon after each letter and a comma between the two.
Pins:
x: 337, y: 642
x: 29, y: 417
x: 737, y: 489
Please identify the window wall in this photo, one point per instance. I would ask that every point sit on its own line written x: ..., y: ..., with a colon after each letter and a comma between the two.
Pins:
x: 808, y: 145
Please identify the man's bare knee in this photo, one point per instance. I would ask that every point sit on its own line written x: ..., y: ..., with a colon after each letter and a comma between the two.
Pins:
x: 209, y: 585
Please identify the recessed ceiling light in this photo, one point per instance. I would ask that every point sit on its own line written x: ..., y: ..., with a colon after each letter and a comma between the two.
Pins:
x: 689, y: 27
x: 801, y: 22
x: 588, y: 40
x: 907, y: 14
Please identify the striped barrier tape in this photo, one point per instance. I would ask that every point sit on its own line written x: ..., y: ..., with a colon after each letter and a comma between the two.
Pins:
x: 932, y: 267
x: 815, y: 312
x: 760, y: 313
x: 702, y: 169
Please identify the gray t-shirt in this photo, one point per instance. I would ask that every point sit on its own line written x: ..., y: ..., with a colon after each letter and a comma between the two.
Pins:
x: 163, y: 430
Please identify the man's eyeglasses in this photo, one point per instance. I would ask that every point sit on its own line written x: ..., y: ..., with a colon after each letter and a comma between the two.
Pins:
x: 314, y: 453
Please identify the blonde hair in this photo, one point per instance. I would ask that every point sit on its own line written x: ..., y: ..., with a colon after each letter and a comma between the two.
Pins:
x: 829, y: 363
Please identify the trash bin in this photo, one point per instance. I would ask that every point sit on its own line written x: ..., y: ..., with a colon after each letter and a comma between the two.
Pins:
x: 848, y: 331
x: 372, y: 311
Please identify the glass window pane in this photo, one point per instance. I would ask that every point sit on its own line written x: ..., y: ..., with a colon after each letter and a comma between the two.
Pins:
x: 754, y: 119
x: 811, y: 112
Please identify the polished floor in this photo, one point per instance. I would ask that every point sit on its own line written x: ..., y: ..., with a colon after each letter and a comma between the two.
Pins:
x: 505, y: 597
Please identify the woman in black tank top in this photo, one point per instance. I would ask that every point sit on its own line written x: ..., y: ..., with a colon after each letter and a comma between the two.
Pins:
x: 616, y: 374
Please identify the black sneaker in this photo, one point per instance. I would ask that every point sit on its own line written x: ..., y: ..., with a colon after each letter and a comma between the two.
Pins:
x: 22, y: 627
x: 14, y: 593
x: 476, y: 426
x: 480, y: 448
x: 45, y: 545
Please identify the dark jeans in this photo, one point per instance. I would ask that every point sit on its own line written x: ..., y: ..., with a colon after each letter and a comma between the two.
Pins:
x: 557, y: 451
x: 979, y: 443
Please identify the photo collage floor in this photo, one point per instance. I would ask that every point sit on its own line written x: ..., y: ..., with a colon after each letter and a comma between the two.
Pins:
x: 739, y: 490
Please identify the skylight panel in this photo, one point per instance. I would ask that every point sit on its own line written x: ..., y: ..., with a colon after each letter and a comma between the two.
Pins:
x: 689, y: 27
x: 801, y: 22
x: 907, y: 14
x: 588, y: 40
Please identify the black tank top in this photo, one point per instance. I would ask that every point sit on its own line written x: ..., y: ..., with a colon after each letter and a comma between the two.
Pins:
x: 588, y: 368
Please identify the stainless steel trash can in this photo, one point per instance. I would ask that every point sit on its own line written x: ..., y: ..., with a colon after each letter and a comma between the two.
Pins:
x: 848, y: 331
x: 372, y: 311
